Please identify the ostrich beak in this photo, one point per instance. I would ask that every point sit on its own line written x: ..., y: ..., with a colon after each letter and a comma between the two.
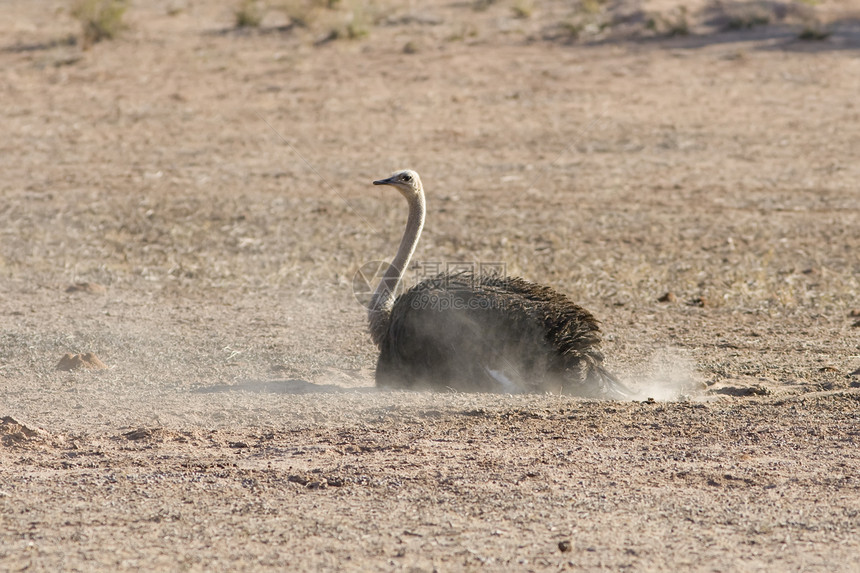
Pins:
x: 388, y: 181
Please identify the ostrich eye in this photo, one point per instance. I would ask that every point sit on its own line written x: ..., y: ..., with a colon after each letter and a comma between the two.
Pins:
x: 407, y: 178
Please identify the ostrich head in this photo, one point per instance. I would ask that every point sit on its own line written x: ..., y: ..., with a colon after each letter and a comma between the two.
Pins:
x: 406, y: 181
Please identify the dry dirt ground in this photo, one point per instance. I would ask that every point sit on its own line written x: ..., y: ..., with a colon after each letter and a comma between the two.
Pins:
x: 190, y: 202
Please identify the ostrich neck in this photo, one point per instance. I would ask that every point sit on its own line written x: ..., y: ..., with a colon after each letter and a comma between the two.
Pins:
x: 383, y: 297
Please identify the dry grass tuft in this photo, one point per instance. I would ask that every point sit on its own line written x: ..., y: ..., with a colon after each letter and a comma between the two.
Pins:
x: 673, y: 23
x: 746, y: 20
x: 814, y: 31
x: 523, y: 9
x: 330, y: 19
x: 249, y: 14
x: 100, y: 19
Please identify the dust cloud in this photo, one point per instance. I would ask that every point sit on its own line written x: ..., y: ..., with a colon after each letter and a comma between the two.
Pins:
x: 667, y: 376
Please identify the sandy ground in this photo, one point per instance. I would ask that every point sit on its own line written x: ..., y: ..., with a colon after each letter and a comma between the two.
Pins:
x: 208, y: 191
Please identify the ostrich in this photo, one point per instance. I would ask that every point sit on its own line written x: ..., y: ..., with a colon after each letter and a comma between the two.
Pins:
x: 480, y: 333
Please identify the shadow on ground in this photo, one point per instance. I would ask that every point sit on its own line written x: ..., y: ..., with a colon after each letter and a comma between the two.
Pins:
x: 292, y: 386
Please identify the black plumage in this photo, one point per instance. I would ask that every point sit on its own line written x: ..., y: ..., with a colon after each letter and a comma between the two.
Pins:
x: 493, y: 333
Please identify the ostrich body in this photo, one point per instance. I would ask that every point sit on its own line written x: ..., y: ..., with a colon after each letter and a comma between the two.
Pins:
x: 485, y: 333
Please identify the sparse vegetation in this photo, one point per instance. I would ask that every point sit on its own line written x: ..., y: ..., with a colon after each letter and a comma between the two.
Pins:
x: 99, y: 19
x: 674, y: 23
x: 334, y: 18
x: 588, y: 19
x: 814, y: 31
x: 570, y: 30
x: 747, y: 20
x: 523, y: 9
x: 481, y: 5
x: 358, y: 21
x: 300, y: 12
x: 678, y: 25
x: 175, y: 8
x: 348, y: 22
x: 462, y: 32
x: 592, y: 6
x: 249, y: 14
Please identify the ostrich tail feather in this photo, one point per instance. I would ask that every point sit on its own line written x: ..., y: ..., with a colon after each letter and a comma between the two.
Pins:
x: 608, y: 386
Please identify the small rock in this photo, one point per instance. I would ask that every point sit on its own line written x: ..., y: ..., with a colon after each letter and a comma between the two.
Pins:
x: 757, y: 390
x: 856, y: 324
x: 86, y: 360
x: 668, y: 297
x: 301, y: 480
x: 855, y: 313
x: 564, y: 546
x: 92, y: 288
x: 699, y: 301
x: 138, y: 434
x: 9, y: 425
